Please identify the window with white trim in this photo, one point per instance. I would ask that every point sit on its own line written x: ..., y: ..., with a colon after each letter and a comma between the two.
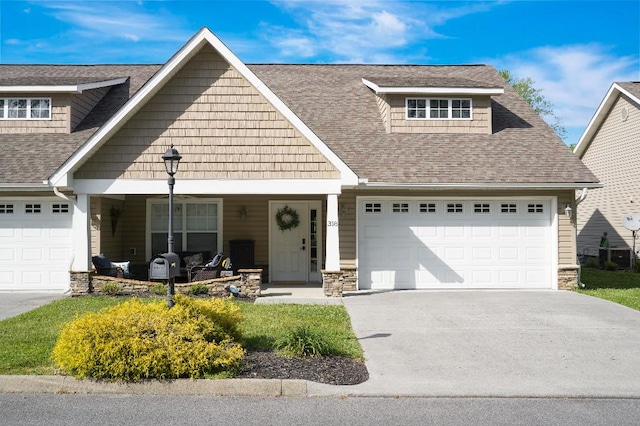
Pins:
x: 6, y: 208
x: 33, y: 208
x: 454, y: 208
x: 438, y: 109
x: 427, y: 207
x: 481, y: 208
x: 373, y: 207
x: 535, y: 208
x: 25, y: 108
x: 508, y: 208
x: 59, y: 208
x: 195, y: 226
x: 400, y: 208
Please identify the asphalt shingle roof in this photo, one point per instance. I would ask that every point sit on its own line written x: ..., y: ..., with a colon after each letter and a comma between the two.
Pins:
x: 632, y: 87
x: 335, y: 104
x: 35, y: 157
x: 342, y: 111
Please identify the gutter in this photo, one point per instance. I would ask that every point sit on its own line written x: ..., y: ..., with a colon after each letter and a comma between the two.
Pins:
x: 580, y: 199
x: 478, y: 186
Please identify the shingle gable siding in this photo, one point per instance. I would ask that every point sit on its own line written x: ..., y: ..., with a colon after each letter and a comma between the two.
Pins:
x: 223, y: 127
x: 613, y: 156
x: 481, y: 122
x: 59, y: 122
x: 83, y: 103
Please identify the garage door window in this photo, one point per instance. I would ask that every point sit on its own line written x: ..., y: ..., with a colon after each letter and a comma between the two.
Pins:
x: 535, y: 208
x: 6, y: 208
x: 373, y: 208
x: 33, y: 208
x: 481, y: 208
x: 508, y: 208
x: 427, y: 207
x: 400, y: 207
x: 59, y: 208
x: 454, y: 208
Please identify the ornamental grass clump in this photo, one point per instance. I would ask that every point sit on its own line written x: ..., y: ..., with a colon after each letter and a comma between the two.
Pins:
x: 303, y: 340
x: 135, y: 341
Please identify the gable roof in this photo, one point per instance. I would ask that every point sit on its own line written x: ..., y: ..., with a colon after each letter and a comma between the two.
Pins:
x: 334, y: 109
x: 35, y: 156
x: 631, y: 89
x: 163, y: 75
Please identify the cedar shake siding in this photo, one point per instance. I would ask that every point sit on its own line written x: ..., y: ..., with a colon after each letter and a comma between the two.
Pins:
x: 480, y: 122
x: 224, y: 129
x: 59, y: 122
x: 82, y: 104
x: 613, y: 157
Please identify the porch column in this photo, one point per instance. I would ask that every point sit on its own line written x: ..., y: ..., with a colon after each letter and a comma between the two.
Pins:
x: 81, y: 234
x: 332, y: 262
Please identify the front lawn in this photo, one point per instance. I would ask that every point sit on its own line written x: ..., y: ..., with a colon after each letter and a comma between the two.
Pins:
x: 621, y: 287
x: 27, y: 340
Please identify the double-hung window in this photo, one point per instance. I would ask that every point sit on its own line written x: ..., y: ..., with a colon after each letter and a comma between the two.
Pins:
x: 25, y: 108
x: 438, y: 109
x: 196, y: 226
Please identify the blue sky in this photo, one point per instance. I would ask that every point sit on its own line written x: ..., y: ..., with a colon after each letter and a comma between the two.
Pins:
x: 573, y: 50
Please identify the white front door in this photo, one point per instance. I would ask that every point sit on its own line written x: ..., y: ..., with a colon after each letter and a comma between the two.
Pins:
x: 295, y: 252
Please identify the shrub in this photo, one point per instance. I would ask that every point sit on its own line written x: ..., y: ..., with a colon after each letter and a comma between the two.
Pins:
x: 221, y: 311
x: 134, y: 341
x: 158, y: 289
x: 302, y: 340
x: 111, y: 289
x: 197, y: 289
x: 610, y: 266
x: 591, y: 262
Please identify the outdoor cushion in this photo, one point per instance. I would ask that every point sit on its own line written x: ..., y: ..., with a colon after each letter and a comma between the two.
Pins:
x: 193, y: 260
x: 122, y: 265
x: 101, y: 261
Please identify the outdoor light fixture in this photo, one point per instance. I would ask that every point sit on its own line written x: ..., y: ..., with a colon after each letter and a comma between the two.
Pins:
x: 171, y: 160
x: 243, y: 213
x: 567, y: 211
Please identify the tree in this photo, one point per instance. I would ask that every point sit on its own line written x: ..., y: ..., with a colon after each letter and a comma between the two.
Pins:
x: 535, y: 98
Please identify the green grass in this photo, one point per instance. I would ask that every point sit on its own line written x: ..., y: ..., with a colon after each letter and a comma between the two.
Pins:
x: 621, y: 287
x: 28, y: 339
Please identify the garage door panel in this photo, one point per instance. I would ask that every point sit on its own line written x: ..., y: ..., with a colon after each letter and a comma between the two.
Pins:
x: 35, y: 245
x: 457, y: 250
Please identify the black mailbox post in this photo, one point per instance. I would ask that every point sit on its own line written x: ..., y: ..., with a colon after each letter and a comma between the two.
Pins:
x: 165, y: 266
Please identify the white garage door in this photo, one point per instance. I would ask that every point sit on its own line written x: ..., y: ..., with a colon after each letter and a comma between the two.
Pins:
x: 35, y: 244
x: 413, y: 243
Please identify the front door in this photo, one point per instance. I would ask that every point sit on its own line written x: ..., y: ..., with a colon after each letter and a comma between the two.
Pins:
x: 294, y: 250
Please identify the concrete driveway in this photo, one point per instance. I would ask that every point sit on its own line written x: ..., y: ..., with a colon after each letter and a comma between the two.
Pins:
x: 12, y: 304
x: 494, y: 343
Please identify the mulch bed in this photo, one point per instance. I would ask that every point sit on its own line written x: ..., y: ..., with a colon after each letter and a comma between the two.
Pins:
x: 330, y: 369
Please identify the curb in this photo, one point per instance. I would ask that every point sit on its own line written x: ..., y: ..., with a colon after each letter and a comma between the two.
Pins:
x: 222, y: 387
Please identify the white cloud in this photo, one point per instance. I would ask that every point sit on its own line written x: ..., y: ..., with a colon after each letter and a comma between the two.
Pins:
x: 363, y: 31
x: 573, y: 78
x: 115, y: 20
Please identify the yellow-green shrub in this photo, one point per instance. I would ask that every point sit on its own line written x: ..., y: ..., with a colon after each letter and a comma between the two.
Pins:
x: 223, y: 312
x: 135, y: 341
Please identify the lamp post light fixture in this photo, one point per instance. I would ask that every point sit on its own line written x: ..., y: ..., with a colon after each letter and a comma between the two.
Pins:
x: 171, y: 160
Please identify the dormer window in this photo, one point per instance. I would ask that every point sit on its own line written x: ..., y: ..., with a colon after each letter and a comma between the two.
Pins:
x: 438, y: 109
x: 25, y: 108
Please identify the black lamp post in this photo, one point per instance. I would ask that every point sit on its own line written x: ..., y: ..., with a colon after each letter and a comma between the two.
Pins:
x: 171, y: 160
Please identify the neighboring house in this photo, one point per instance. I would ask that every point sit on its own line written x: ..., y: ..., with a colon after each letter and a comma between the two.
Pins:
x: 401, y: 176
x: 609, y: 147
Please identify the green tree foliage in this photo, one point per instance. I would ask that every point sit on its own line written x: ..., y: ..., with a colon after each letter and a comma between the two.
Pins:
x: 534, y: 97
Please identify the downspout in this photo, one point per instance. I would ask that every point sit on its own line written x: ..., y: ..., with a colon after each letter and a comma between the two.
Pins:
x: 61, y: 195
x: 578, y: 201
